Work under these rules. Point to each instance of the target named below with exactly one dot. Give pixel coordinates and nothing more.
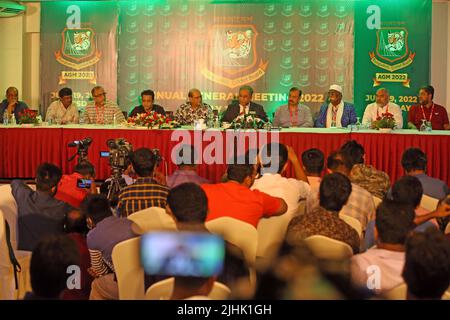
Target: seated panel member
(244, 106)
(63, 110)
(337, 113)
(12, 104)
(193, 110)
(428, 110)
(380, 106)
(147, 105)
(293, 114)
(102, 111)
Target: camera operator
(146, 191)
(69, 189)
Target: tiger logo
(396, 41)
(238, 44)
(81, 41)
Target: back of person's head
(75, 222)
(334, 191)
(186, 156)
(414, 159)
(274, 157)
(339, 162)
(47, 177)
(188, 203)
(96, 207)
(427, 265)
(408, 190)
(394, 222)
(354, 151)
(313, 160)
(193, 286)
(49, 265)
(85, 168)
(143, 161)
(239, 172)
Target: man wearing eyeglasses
(337, 113)
(102, 111)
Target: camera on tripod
(119, 152)
(82, 149)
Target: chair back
(328, 248)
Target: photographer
(73, 192)
(145, 192)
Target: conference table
(24, 148)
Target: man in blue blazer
(337, 113)
(244, 105)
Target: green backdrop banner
(392, 50)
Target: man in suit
(337, 113)
(244, 106)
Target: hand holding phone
(84, 183)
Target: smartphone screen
(104, 154)
(182, 254)
(84, 183)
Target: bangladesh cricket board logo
(78, 49)
(233, 59)
(392, 53)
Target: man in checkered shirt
(102, 111)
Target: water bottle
(13, 119)
(216, 122)
(81, 117)
(5, 118)
(114, 120)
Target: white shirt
(242, 108)
(364, 269)
(373, 111)
(339, 113)
(57, 112)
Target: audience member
(39, 213)
(313, 163)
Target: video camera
(119, 152)
(82, 149)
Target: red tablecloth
(24, 148)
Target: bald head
(12, 95)
(382, 97)
(195, 97)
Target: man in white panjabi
(382, 105)
(63, 111)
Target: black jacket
(233, 111)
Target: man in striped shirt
(145, 192)
(107, 230)
(102, 111)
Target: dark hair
(313, 160)
(334, 191)
(428, 89)
(96, 207)
(64, 92)
(85, 168)
(47, 176)
(277, 157)
(186, 151)
(427, 264)
(414, 159)
(188, 203)
(49, 262)
(353, 151)
(333, 161)
(407, 190)
(148, 93)
(75, 222)
(296, 89)
(143, 161)
(394, 221)
(238, 172)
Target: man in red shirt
(429, 111)
(234, 198)
(68, 190)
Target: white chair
(162, 290)
(352, 222)
(377, 201)
(241, 234)
(447, 229)
(8, 206)
(129, 271)
(152, 219)
(328, 248)
(8, 289)
(429, 203)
